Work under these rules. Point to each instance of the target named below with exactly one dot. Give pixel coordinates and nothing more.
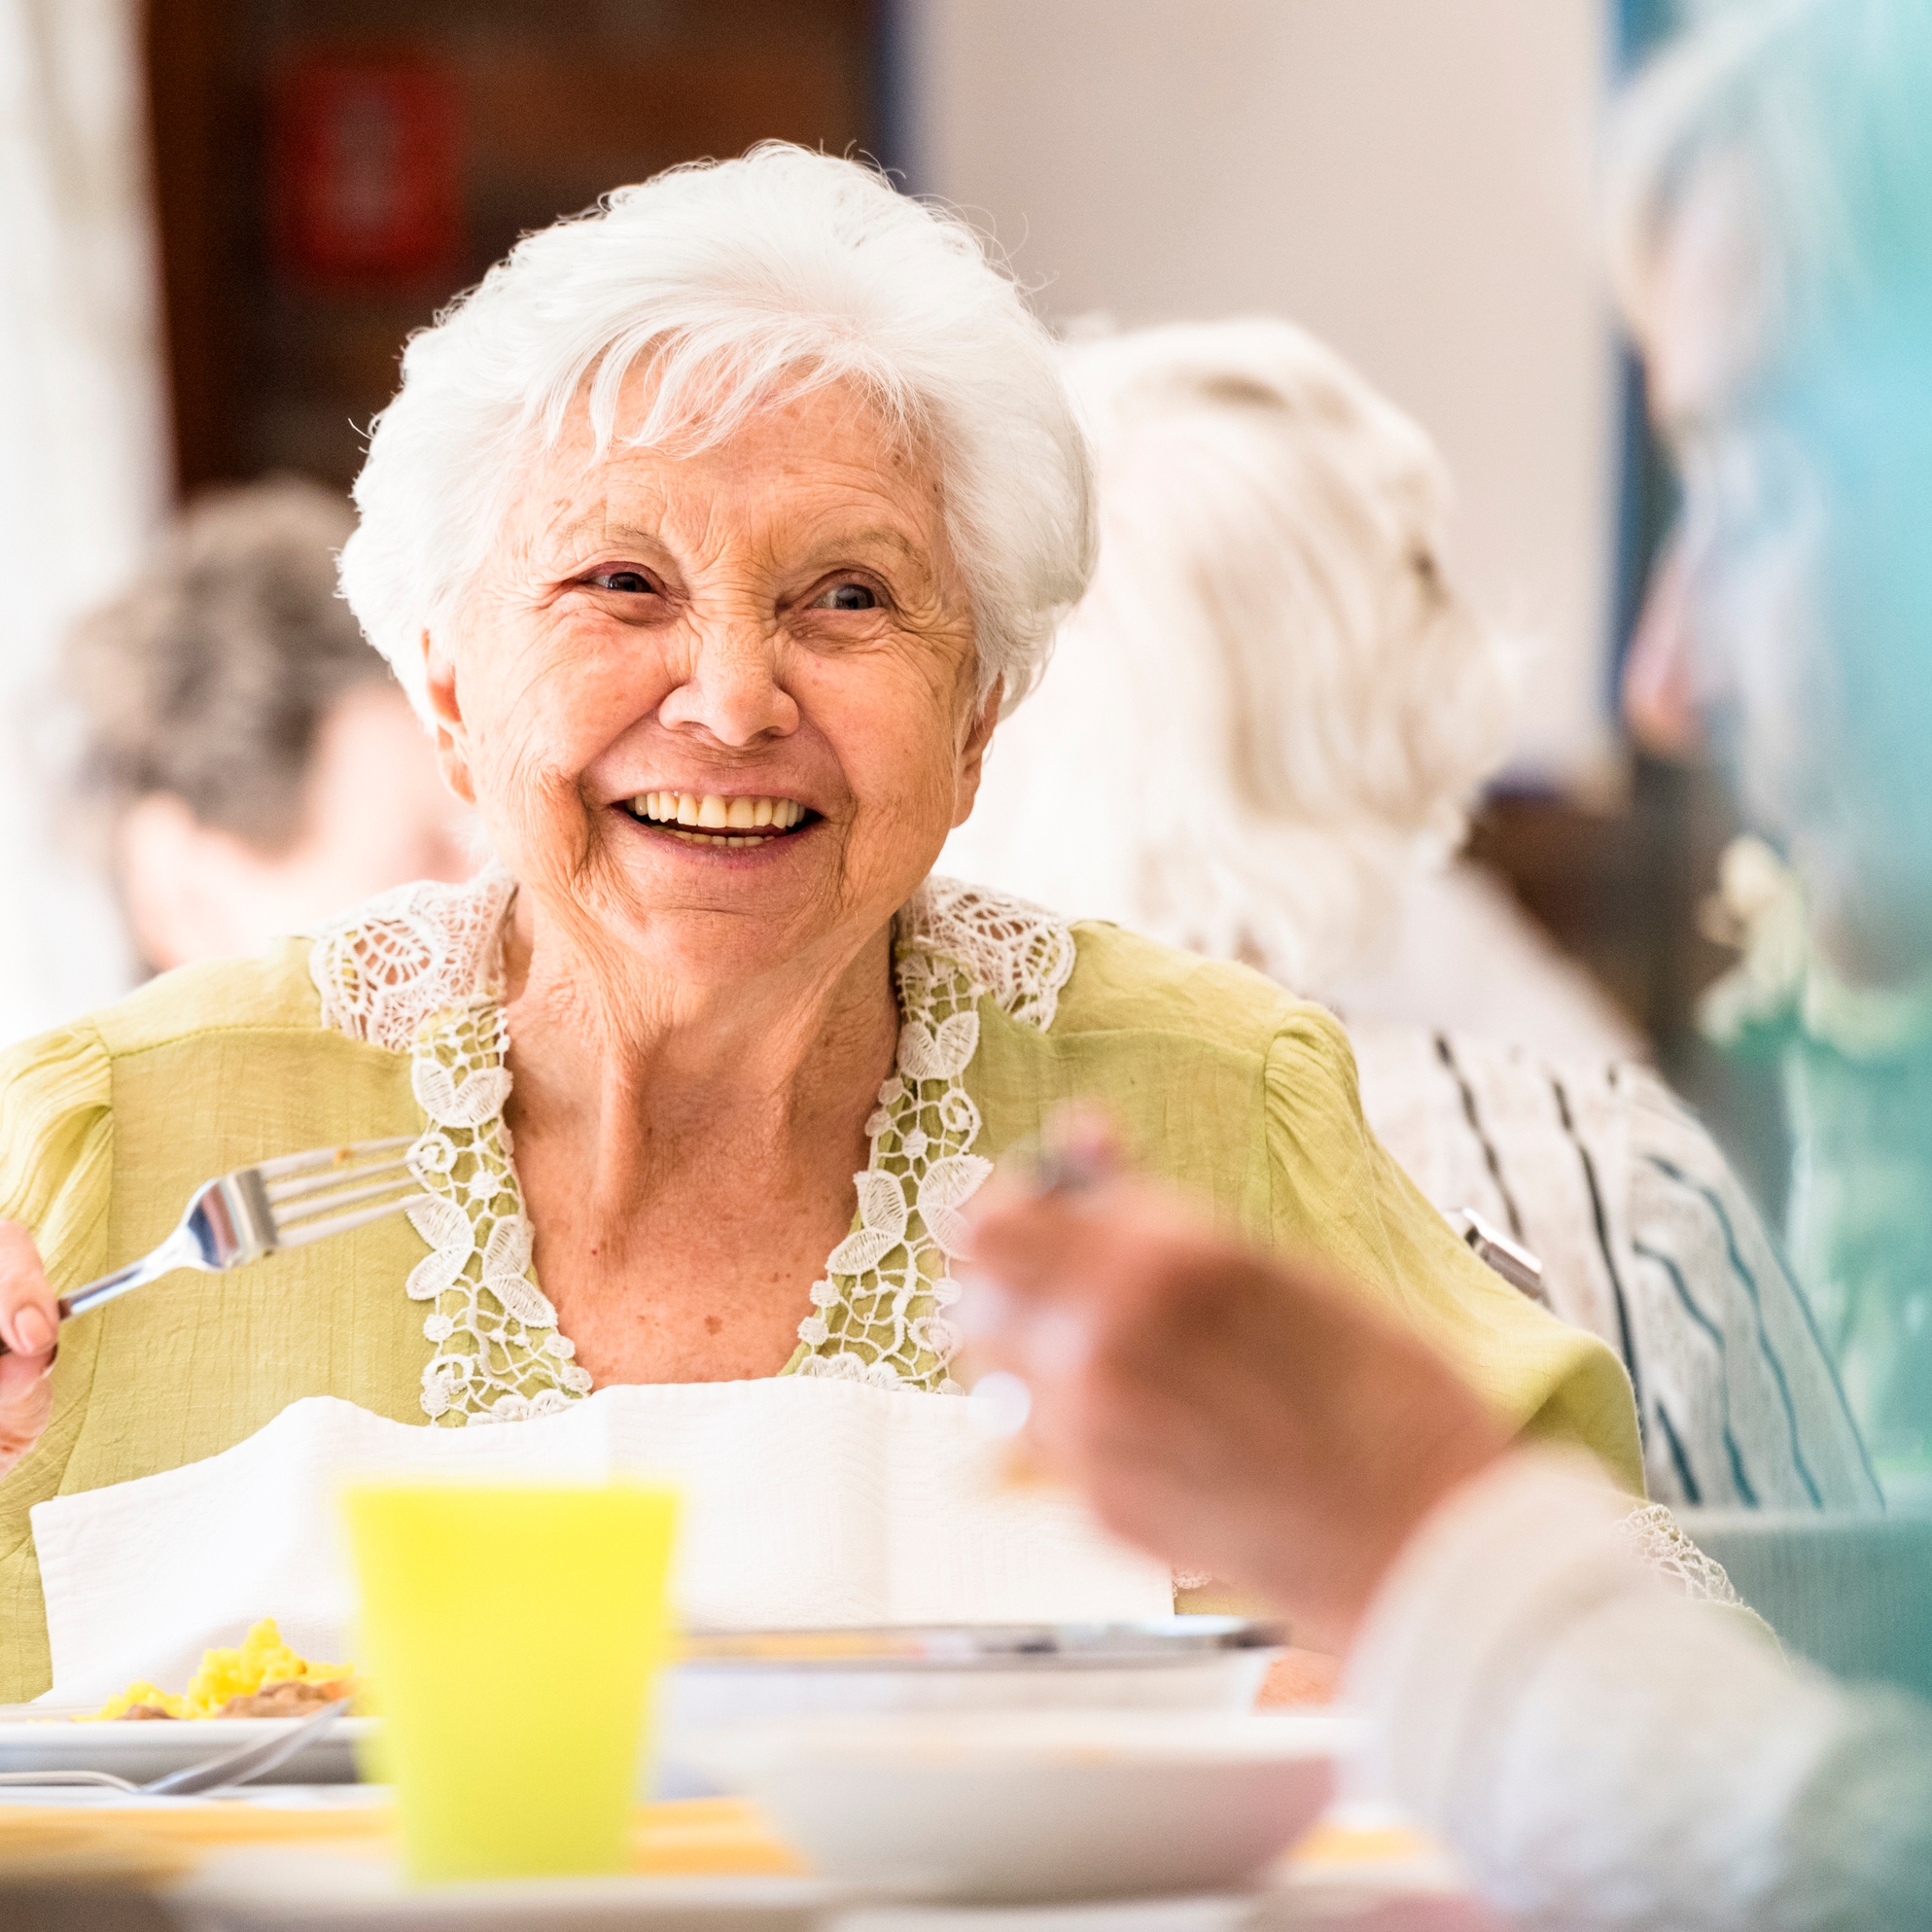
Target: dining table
(324, 1859)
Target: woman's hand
(30, 1323)
(1226, 1410)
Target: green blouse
(388, 1024)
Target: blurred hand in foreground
(1229, 1411)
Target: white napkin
(807, 1503)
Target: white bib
(807, 1503)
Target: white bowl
(1037, 1805)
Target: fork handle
(172, 1253)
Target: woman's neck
(630, 1067)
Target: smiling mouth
(709, 820)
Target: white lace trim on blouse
(418, 971)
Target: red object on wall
(368, 168)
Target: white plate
(1189, 1664)
(36, 1738)
(1037, 1804)
(1186, 1662)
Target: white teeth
(710, 813)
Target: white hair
(738, 284)
(1270, 708)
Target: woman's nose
(733, 692)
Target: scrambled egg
(264, 1659)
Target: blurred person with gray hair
(1272, 630)
(250, 764)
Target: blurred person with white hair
(1272, 628)
(709, 534)
(250, 766)
(1258, 738)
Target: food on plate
(263, 1679)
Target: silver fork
(240, 1765)
(287, 1202)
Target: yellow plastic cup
(512, 1638)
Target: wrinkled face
(719, 711)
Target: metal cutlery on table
(218, 1773)
(287, 1202)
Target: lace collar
(417, 972)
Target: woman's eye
(632, 583)
(847, 597)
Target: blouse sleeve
(57, 1154)
(1335, 1189)
(56, 1149)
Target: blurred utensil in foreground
(1071, 1156)
(1514, 1262)
(287, 1202)
(1043, 1648)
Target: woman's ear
(446, 720)
(972, 754)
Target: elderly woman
(708, 535)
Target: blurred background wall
(1411, 180)
(328, 172)
(85, 466)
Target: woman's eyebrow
(879, 534)
(604, 532)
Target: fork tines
(330, 1190)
